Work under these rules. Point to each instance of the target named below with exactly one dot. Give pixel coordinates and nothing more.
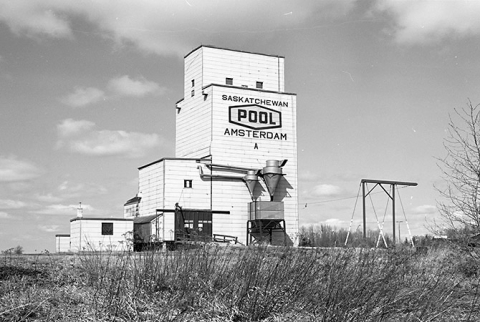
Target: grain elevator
(234, 174)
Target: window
(229, 81)
(193, 92)
(201, 222)
(107, 228)
(193, 83)
(187, 183)
(259, 85)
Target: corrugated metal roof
(145, 219)
(165, 159)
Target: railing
(225, 238)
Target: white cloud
(59, 209)
(49, 228)
(83, 96)
(80, 137)
(68, 191)
(307, 176)
(122, 86)
(334, 222)
(109, 143)
(77, 189)
(164, 27)
(327, 190)
(425, 209)
(13, 169)
(35, 18)
(11, 204)
(20, 186)
(4, 215)
(126, 86)
(49, 198)
(417, 22)
(69, 127)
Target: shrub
(263, 283)
(468, 266)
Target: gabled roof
(135, 199)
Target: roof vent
(80, 210)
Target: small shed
(101, 234)
(62, 243)
(146, 230)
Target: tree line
(330, 236)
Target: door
(193, 224)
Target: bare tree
(461, 171)
(18, 250)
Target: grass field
(213, 283)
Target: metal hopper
(272, 173)
(251, 179)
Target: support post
(399, 234)
(364, 212)
(393, 214)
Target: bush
(262, 283)
(13, 251)
(468, 267)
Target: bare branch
(461, 170)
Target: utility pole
(399, 236)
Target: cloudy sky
(88, 92)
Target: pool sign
(255, 117)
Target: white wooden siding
(151, 187)
(197, 197)
(86, 235)
(168, 177)
(241, 151)
(200, 131)
(62, 244)
(193, 128)
(245, 68)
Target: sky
(88, 92)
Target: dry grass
(242, 284)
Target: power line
(339, 199)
